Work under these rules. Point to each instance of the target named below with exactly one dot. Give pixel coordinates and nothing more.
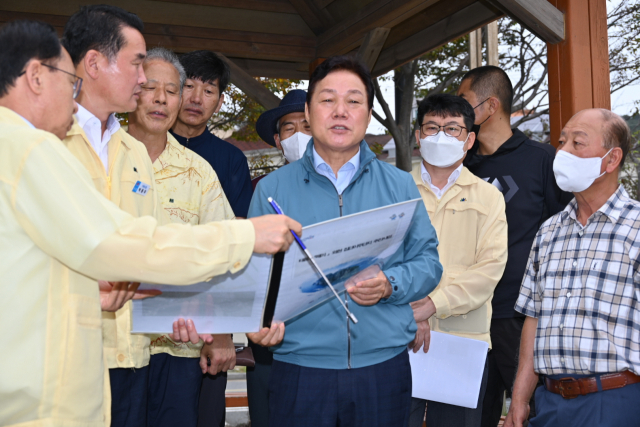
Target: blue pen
(278, 210)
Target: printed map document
(451, 372)
(283, 286)
(342, 247)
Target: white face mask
(575, 174)
(295, 146)
(442, 150)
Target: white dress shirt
(345, 174)
(426, 178)
(93, 128)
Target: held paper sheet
(230, 303)
(451, 372)
(342, 247)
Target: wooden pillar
(578, 66)
(475, 49)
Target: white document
(451, 372)
(231, 303)
(342, 247)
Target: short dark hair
(21, 42)
(443, 105)
(98, 27)
(342, 63)
(490, 81)
(207, 67)
(616, 133)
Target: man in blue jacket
(326, 371)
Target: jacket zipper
(346, 295)
(346, 303)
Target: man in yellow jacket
(469, 217)
(59, 235)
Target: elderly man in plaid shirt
(581, 290)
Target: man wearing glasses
(468, 215)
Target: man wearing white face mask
(285, 127)
(469, 217)
(580, 291)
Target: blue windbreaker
(322, 337)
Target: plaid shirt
(582, 283)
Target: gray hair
(162, 54)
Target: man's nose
(160, 97)
(142, 78)
(340, 109)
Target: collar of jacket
(7, 115)
(203, 138)
(77, 130)
(179, 159)
(465, 178)
(366, 157)
(516, 140)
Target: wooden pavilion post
(579, 65)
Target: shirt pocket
(602, 277)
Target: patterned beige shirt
(190, 192)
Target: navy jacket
(230, 165)
(319, 337)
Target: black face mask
(476, 127)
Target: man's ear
(470, 141)
(33, 73)
(615, 157)
(494, 105)
(276, 137)
(92, 62)
(370, 114)
(306, 112)
(418, 137)
(220, 102)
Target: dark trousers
(373, 396)
(445, 415)
(129, 392)
(503, 364)
(174, 388)
(258, 386)
(611, 408)
(212, 406)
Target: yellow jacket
(129, 163)
(59, 235)
(190, 192)
(471, 225)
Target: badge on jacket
(141, 188)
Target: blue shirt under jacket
(320, 338)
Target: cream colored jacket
(471, 225)
(58, 235)
(129, 163)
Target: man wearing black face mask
(523, 170)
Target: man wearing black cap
(286, 128)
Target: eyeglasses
(430, 129)
(77, 83)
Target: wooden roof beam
(372, 46)
(348, 34)
(539, 16)
(454, 26)
(250, 86)
(318, 19)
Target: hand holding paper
(268, 337)
(368, 286)
(185, 331)
(113, 295)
